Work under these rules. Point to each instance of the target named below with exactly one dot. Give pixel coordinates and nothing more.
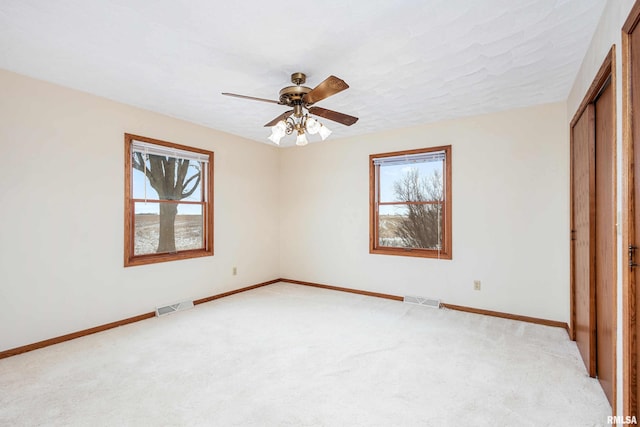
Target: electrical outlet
(476, 285)
(235, 271)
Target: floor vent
(428, 302)
(168, 309)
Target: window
(168, 201)
(410, 203)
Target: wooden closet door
(583, 234)
(594, 229)
(605, 241)
(633, 205)
(635, 239)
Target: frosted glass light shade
(312, 125)
(275, 138)
(278, 131)
(301, 139)
(324, 132)
(281, 127)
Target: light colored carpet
(289, 355)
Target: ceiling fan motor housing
(292, 95)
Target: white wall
(510, 214)
(61, 192)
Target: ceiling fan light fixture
(275, 138)
(280, 127)
(312, 125)
(278, 131)
(324, 132)
(301, 139)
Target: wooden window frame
(130, 259)
(374, 248)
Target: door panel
(634, 215)
(605, 239)
(583, 213)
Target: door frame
(607, 71)
(629, 326)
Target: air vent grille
(168, 309)
(428, 302)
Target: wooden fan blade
(253, 98)
(277, 119)
(344, 119)
(330, 86)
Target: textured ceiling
(408, 62)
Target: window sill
(157, 258)
(419, 253)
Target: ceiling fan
(301, 98)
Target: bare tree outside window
(410, 203)
(417, 225)
(169, 177)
